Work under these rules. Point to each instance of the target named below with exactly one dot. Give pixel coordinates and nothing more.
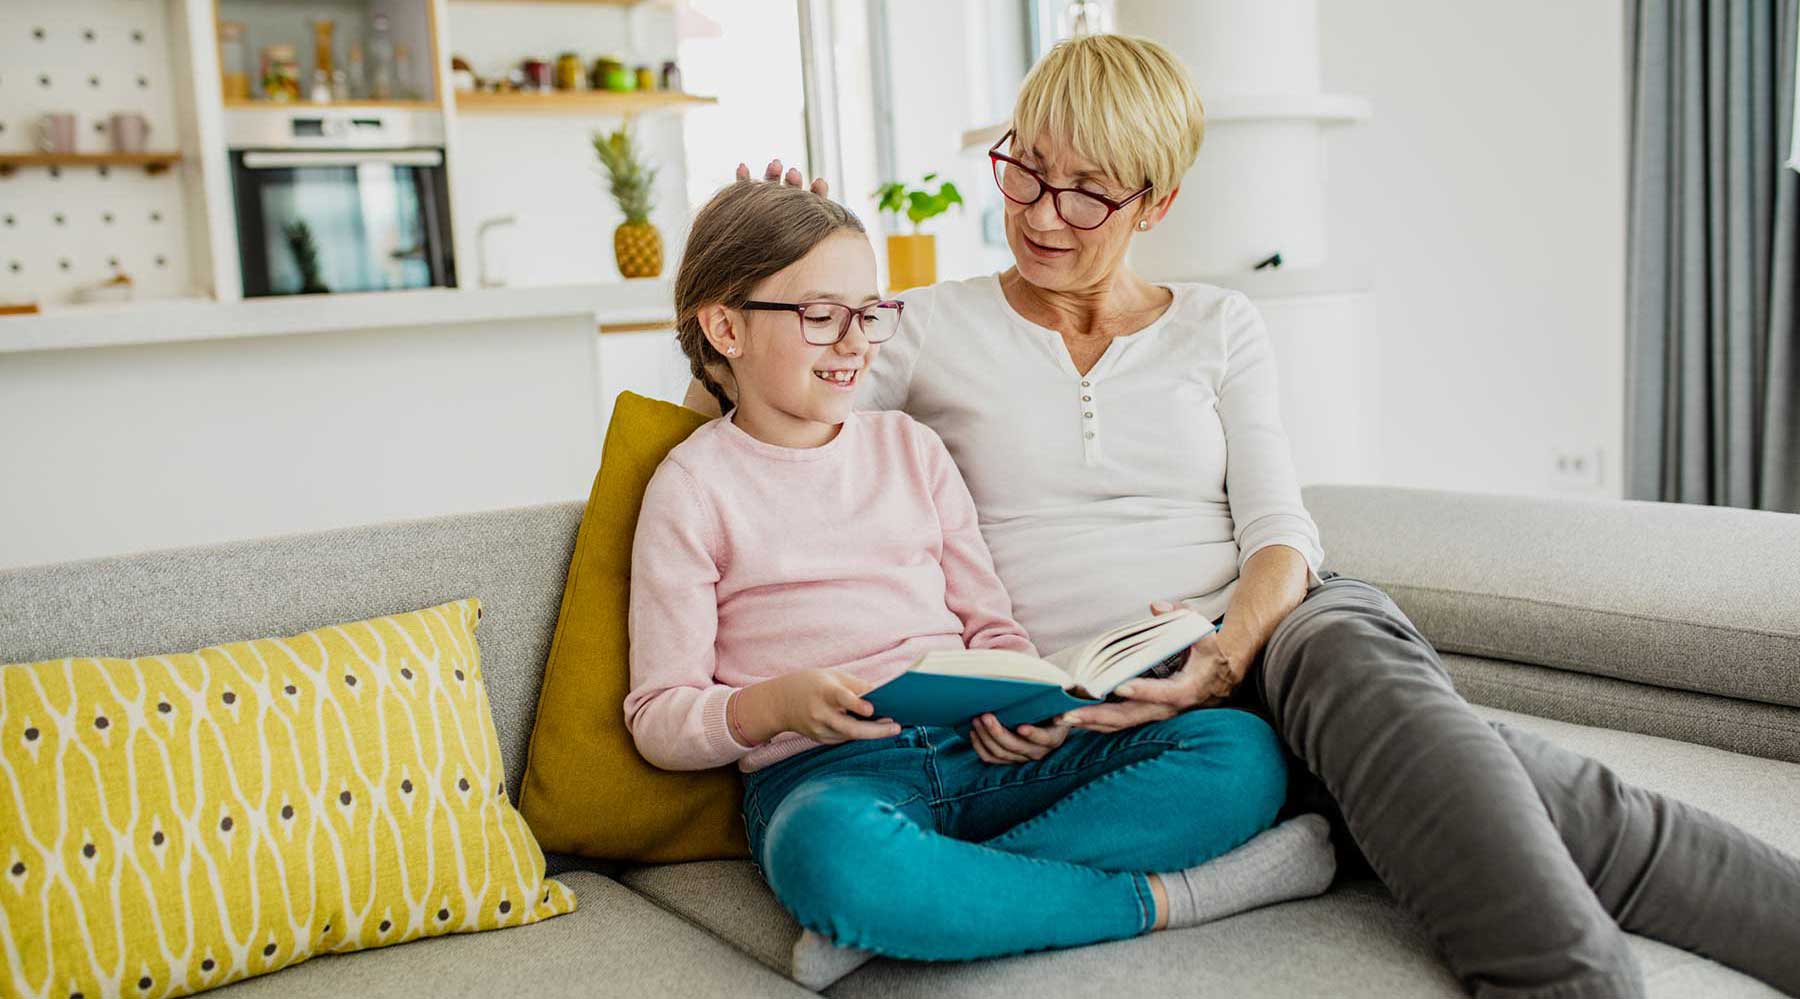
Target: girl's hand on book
(1206, 679)
(825, 705)
(994, 744)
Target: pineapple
(636, 244)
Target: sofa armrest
(1696, 598)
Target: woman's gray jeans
(1525, 862)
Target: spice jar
(671, 76)
(322, 57)
(280, 73)
(611, 74)
(646, 78)
(568, 71)
(537, 74)
(234, 73)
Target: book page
(997, 664)
(1114, 654)
(1123, 634)
(1173, 633)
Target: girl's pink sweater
(752, 561)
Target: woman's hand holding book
(1208, 678)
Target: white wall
(948, 59)
(541, 168)
(1485, 207)
(123, 449)
(753, 67)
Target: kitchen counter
(641, 304)
(167, 423)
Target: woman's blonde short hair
(1125, 104)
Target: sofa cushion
(615, 944)
(730, 898)
(1352, 941)
(1760, 796)
(1673, 595)
(185, 820)
(587, 791)
(188, 598)
(1750, 727)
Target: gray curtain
(1712, 331)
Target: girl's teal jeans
(913, 847)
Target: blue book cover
(914, 698)
(922, 697)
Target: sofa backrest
(190, 598)
(1695, 598)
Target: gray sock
(1292, 860)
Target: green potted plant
(306, 256)
(637, 245)
(912, 258)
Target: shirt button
(1085, 383)
(1087, 398)
(1089, 415)
(1090, 435)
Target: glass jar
(611, 74)
(280, 73)
(234, 69)
(568, 71)
(381, 59)
(406, 85)
(323, 60)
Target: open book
(952, 687)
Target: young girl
(793, 555)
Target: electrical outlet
(1578, 469)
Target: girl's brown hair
(747, 232)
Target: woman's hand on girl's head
(825, 704)
(995, 744)
(793, 178)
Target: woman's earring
(1143, 225)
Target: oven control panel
(300, 127)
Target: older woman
(1121, 441)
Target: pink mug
(56, 132)
(130, 132)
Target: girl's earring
(1143, 225)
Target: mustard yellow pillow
(172, 823)
(586, 789)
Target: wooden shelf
(639, 326)
(564, 3)
(575, 102)
(239, 103)
(152, 162)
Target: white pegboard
(67, 227)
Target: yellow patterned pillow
(173, 823)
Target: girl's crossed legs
(913, 847)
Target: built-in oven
(334, 200)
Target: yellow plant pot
(912, 261)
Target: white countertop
(183, 320)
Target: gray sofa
(1663, 640)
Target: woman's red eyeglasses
(1024, 186)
